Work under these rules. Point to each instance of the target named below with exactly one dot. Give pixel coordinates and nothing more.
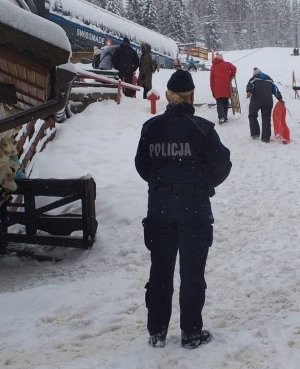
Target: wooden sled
(234, 97)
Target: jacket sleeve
(142, 160)
(145, 68)
(250, 86)
(212, 83)
(276, 92)
(218, 158)
(116, 59)
(232, 70)
(136, 61)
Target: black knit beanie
(181, 81)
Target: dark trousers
(266, 111)
(127, 77)
(222, 107)
(146, 90)
(177, 229)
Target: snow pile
(88, 311)
(82, 10)
(33, 25)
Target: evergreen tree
(115, 6)
(160, 6)
(191, 30)
(213, 26)
(295, 23)
(58, 6)
(173, 21)
(150, 19)
(283, 15)
(134, 10)
(101, 3)
(222, 23)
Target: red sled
(281, 130)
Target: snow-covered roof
(36, 26)
(101, 18)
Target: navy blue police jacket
(178, 147)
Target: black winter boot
(158, 340)
(193, 340)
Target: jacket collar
(181, 108)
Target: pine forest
(217, 24)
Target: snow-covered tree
(58, 6)
(295, 23)
(150, 19)
(101, 3)
(221, 23)
(135, 10)
(173, 21)
(213, 26)
(115, 6)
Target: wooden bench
(59, 228)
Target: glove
(249, 94)
(282, 102)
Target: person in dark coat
(146, 69)
(260, 89)
(221, 74)
(126, 61)
(181, 157)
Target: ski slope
(88, 311)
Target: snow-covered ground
(88, 311)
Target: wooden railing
(33, 138)
(105, 81)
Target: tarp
(281, 130)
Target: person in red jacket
(221, 74)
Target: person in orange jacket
(221, 74)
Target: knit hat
(181, 81)
(256, 71)
(126, 40)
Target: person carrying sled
(182, 158)
(125, 59)
(260, 89)
(221, 74)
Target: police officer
(182, 159)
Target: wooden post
(118, 99)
